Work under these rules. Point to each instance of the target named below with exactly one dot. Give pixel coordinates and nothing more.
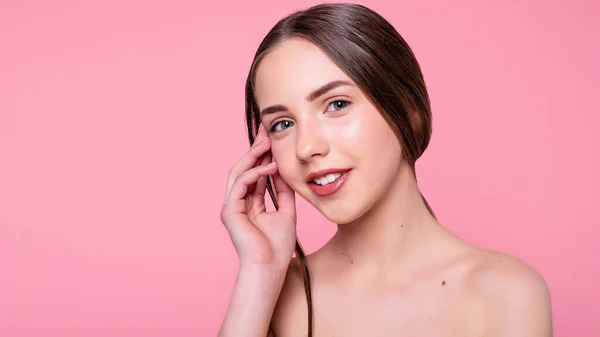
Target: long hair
(374, 55)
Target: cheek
(388, 157)
(284, 156)
(351, 132)
(367, 135)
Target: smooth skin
(390, 269)
(264, 241)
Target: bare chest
(424, 310)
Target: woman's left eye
(337, 105)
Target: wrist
(264, 268)
(264, 273)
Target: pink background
(119, 121)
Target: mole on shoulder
(443, 283)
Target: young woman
(338, 113)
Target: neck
(391, 230)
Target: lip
(331, 188)
(321, 173)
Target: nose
(311, 141)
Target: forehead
(293, 69)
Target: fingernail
(271, 164)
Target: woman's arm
(253, 301)
(264, 241)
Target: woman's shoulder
(511, 293)
(510, 296)
(495, 273)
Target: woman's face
(331, 144)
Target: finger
(248, 161)
(262, 161)
(286, 198)
(260, 135)
(261, 185)
(258, 141)
(239, 190)
(262, 132)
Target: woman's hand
(260, 238)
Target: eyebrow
(322, 90)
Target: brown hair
(374, 55)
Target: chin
(342, 211)
(344, 206)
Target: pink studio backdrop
(119, 121)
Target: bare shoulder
(291, 310)
(513, 296)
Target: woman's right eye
(282, 125)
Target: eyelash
(346, 103)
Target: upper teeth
(327, 179)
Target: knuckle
(239, 178)
(254, 152)
(246, 176)
(232, 173)
(223, 215)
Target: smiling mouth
(328, 183)
(326, 179)
(326, 176)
